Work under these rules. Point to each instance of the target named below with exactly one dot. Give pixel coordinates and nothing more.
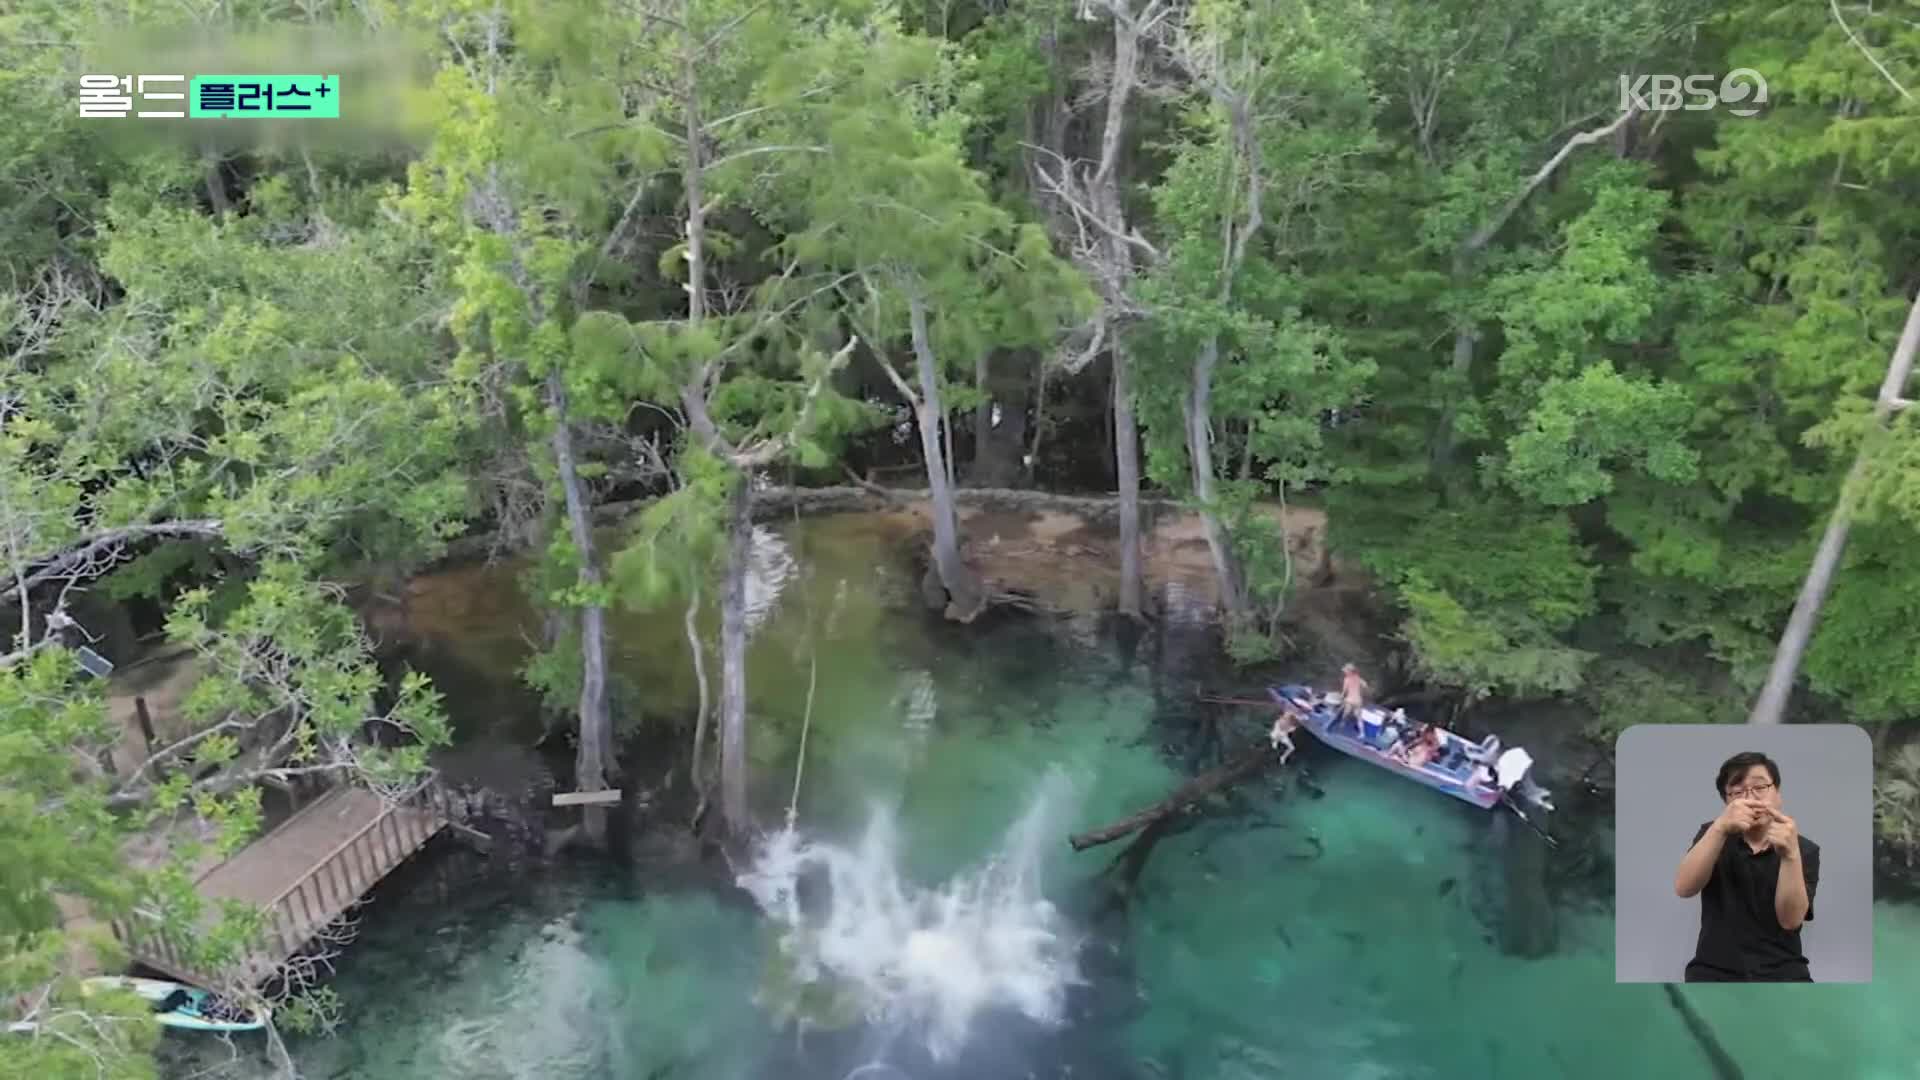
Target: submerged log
(1724, 1067)
(1240, 768)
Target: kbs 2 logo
(1743, 91)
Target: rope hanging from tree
(813, 667)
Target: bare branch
(1062, 186)
(861, 326)
(900, 384)
(754, 150)
(1092, 336)
(758, 109)
(729, 26)
(1864, 51)
(80, 555)
(1480, 239)
(769, 450)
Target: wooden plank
(306, 873)
(586, 798)
(342, 885)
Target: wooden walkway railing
(301, 895)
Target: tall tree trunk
(946, 435)
(1126, 460)
(1465, 338)
(1199, 423)
(595, 748)
(733, 658)
(965, 597)
(1237, 234)
(1030, 461)
(699, 653)
(1105, 192)
(1771, 705)
(983, 412)
(734, 809)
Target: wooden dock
(304, 874)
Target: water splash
(933, 960)
(770, 566)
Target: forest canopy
(1576, 376)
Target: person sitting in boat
(1353, 693)
(1425, 748)
(1404, 740)
(1390, 736)
(1284, 726)
(1420, 748)
(1481, 777)
(1397, 724)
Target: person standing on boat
(1353, 693)
(1755, 876)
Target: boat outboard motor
(1511, 772)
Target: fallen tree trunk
(1240, 768)
(1771, 706)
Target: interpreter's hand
(1739, 816)
(1783, 835)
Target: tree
(525, 265)
(225, 417)
(672, 550)
(249, 429)
(1803, 246)
(1106, 245)
(718, 97)
(896, 208)
(1281, 105)
(1486, 229)
(1772, 702)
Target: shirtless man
(1353, 693)
(1426, 748)
(1284, 726)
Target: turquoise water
(1300, 937)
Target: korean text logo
(236, 97)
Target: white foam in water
(770, 565)
(933, 959)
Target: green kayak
(181, 1006)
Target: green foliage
(1581, 425)
(293, 651)
(675, 542)
(1570, 442)
(55, 835)
(1490, 591)
(242, 405)
(1474, 649)
(1622, 692)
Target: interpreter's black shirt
(1741, 939)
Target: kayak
(178, 1005)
